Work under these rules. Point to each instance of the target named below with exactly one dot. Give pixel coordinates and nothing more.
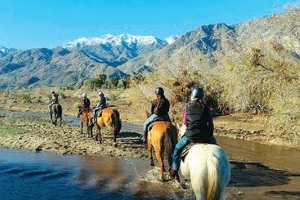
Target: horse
(57, 111)
(162, 138)
(207, 168)
(86, 117)
(109, 118)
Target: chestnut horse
(110, 118)
(86, 117)
(207, 168)
(162, 138)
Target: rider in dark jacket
(85, 103)
(159, 108)
(100, 105)
(199, 127)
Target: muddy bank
(38, 134)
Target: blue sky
(50, 23)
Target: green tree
(114, 82)
(125, 82)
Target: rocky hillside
(207, 46)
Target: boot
(174, 174)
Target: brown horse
(57, 112)
(110, 118)
(86, 117)
(162, 138)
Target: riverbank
(38, 134)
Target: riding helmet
(84, 95)
(159, 91)
(52, 92)
(101, 93)
(197, 93)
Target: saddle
(187, 148)
(156, 120)
(99, 113)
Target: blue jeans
(183, 142)
(151, 119)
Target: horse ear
(147, 113)
(178, 126)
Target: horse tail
(59, 110)
(170, 142)
(116, 121)
(216, 176)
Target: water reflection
(27, 175)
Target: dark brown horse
(86, 117)
(110, 118)
(57, 112)
(162, 138)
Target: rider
(199, 123)
(159, 108)
(85, 103)
(54, 100)
(100, 105)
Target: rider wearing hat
(199, 127)
(85, 103)
(159, 108)
(100, 105)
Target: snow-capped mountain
(119, 40)
(5, 51)
(172, 39)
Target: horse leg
(87, 128)
(99, 135)
(91, 130)
(55, 119)
(112, 130)
(160, 159)
(150, 152)
(60, 121)
(81, 127)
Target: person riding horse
(159, 109)
(199, 123)
(100, 105)
(54, 100)
(85, 103)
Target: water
(28, 175)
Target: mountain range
(125, 55)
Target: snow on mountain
(4, 51)
(171, 39)
(109, 39)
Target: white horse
(207, 168)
